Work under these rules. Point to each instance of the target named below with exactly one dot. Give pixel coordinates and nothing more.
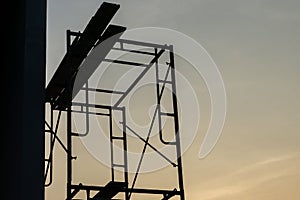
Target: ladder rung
(47, 131)
(164, 81)
(118, 165)
(117, 137)
(167, 114)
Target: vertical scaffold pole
(125, 154)
(176, 124)
(69, 122)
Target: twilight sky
(256, 46)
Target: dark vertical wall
(23, 83)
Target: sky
(256, 46)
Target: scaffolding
(63, 88)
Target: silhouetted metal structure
(62, 89)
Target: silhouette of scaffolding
(62, 89)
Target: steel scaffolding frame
(62, 101)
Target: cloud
(256, 175)
(264, 163)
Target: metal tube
(158, 99)
(144, 44)
(103, 90)
(124, 62)
(51, 148)
(69, 154)
(133, 51)
(111, 145)
(176, 124)
(159, 94)
(87, 117)
(125, 153)
(50, 158)
(141, 75)
(90, 113)
(134, 190)
(92, 105)
(69, 124)
(52, 142)
(151, 146)
(143, 151)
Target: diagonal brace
(151, 146)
